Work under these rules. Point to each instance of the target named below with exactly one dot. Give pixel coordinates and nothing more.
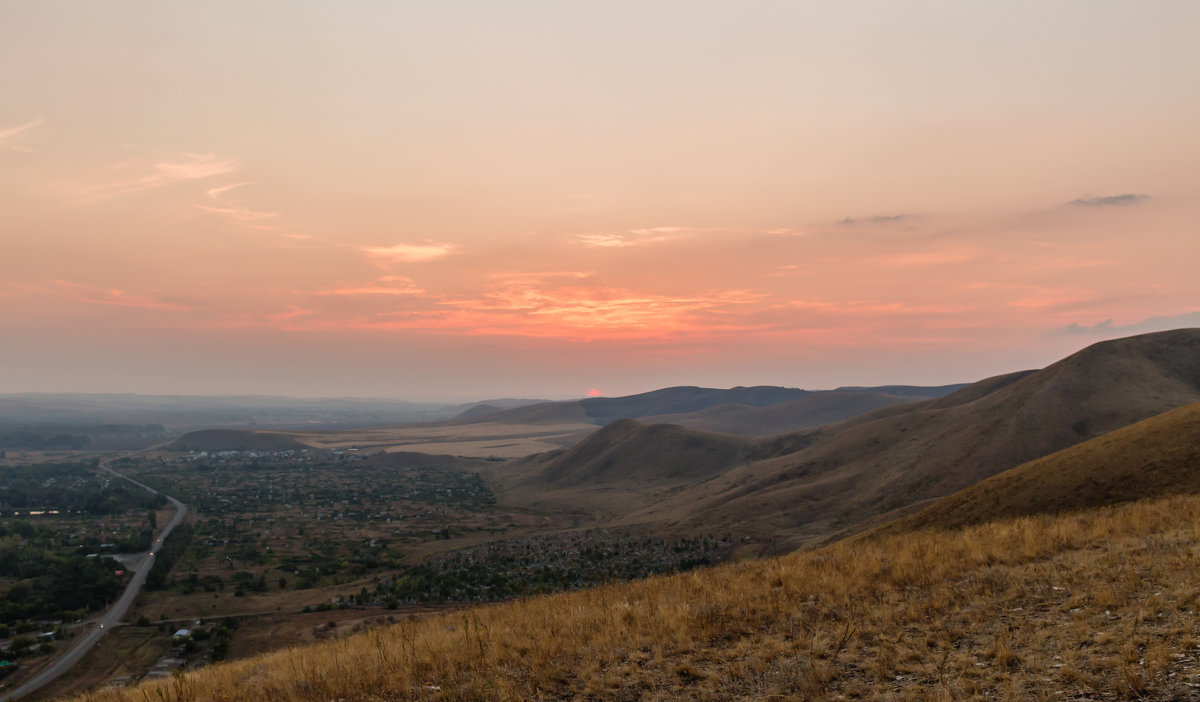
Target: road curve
(79, 647)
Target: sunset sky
(541, 199)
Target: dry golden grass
(1101, 604)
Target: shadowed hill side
(1155, 457)
(630, 452)
(913, 392)
(683, 399)
(811, 410)
(542, 413)
(477, 411)
(602, 410)
(905, 454)
(620, 468)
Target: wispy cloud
(387, 285)
(634, 237)
(657, 231)
(1108, 200)
(410, 253)
(234, 211)
(604, 241)
(878, 219)
(186, 167)
(10, 132)
(215, 193)
(113, 296)
(289, 313)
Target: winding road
(79, 647)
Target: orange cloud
(410, 253)
(635, 237)
(6, 134)
(112, 296)
(183, 168)
(388, 285)
(528, 308)
(291, 312)
(238, 213)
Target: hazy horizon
(533, 199)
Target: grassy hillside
(602, 410)
(1158, 456)
(809, 411)
(759, 411)
(629, 451)
(1095, 605)
(907, 454)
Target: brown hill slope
(818, 481)
(627, 465)
(1092, 606)
(903, 455)
(602, 410)
(1155, 457)
(813, 410)
(628, 451)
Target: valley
(300, 537)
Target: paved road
(83, 643)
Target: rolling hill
(602, 410)
(814, 409)
(802, 485)
(1152, 458)
(756, 411)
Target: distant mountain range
(758, 410)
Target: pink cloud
(410, 253)
(234, 211)
(185, 167)
(9, 133)
(388, 285)
(634, 237)
(112, 296)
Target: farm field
(481, 440)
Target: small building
(182, 634)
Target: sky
(464, 200)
